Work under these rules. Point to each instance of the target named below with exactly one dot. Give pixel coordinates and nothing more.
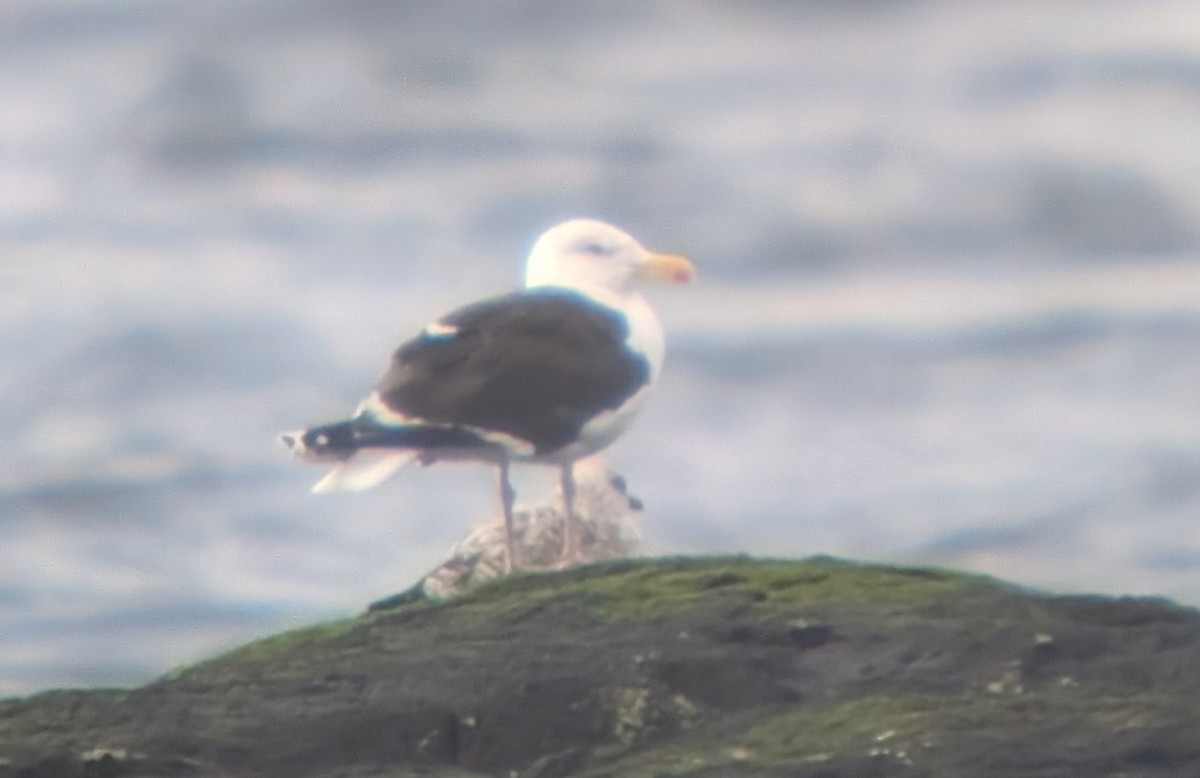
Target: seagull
(604, 510)
(549, 374)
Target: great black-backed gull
(549, 374)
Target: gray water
(948, 309)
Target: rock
(692, 667)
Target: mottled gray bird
(604, 512)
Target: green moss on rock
(1010, 732)
(696, 667)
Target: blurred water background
(948, 309)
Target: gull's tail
(364, 452)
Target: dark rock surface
(690, 667)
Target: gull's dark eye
(595, 249)
(618, 483)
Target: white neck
(645, 332)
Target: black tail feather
(340, 440)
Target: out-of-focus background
(948, 309)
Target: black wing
(535, 364)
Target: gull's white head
(590, 255)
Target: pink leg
(506, 502)
(570, 551)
